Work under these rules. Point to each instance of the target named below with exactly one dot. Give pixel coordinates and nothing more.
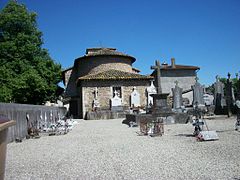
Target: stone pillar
(177, 96)
(219, 100)
(198, 91)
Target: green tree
(27, 72)
(235, 84)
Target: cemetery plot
(152, 128)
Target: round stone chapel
(99, 76)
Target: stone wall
(71, 86)
(93, 65)
(183, 82)
(97, 64)
(67, 75)
(105, 92)
(177, 72)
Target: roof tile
(114, 75)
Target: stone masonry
(105, 93)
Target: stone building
(183, 74)
(102, 73)
(97, 76)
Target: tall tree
(27, 72)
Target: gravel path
(108, 149)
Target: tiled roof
(114, 75)
(180, 67)
(67, 69)
(91, 52)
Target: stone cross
(157, 67)
(115, 93)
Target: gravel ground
(108, 149)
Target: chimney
(164, 65)
(173, 63)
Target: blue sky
(204, 33)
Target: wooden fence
(38, 114)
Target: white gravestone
(135, 98)
(150, 90)
(208, 99)
(116, 101)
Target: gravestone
(150, 90)
(198, 91)
(177, 96)
(116, 102)
(219, 100)
(95, 103)
(208, 99)
(135, 98)
(229, 96)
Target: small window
(118, 90)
